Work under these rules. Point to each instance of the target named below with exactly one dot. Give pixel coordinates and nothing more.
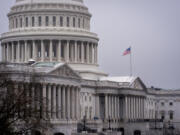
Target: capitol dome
(52, 31)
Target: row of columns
(59, 101)
(50, 50)
(134, 107)
(113, 104)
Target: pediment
(138, 84)
(64, 71)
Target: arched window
(171, 115)
(54, 20)
(33, 21)
(137, 132)
(61, 21)
(39, 21)
(74, 22)
(67, 21)
(27, 23)
(47, 21)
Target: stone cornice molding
(49, 7)
(54, 32)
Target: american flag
(127, 51)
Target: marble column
(118, 106)
(97, 106)
(26, 52)
(59, 107)
(12, 52)
(76, 55)
(18, 52)
(67, 51)
(49, 100)
(68, 102)
(73, 101)
(44, 100)
(115, 107)
(54, 102)
(42, 50)
(34, 50)
(64, 102)
(50, 50)
(96, 54)
(109, 107)
(106, 106)
(59, 51)
(78, 101)
(87, 51)
(82, 52)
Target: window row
(49, 21)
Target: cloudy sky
(151, 27)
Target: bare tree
(22, 105)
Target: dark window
(27, 23)
(40, 21)
(171, 103)
(171, 115)
(54, 21)
(33, 21)
(61, 21)
(74, 22)
(47, 21)
(162, 103)
(21, 22)
(67, 21)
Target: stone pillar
(44, 103)
(42, 50)
(50, 50)
(25, 52)
(18, 52)
(87, 52)
(49, 101)
(12, 60)
(64, 102)
(82, 52)
(97, 106)
(34, 50)
(67, 51)
(59, 50)
(96, 54)
(68, 102)
(2, 51)
(59, 107)
(7, 51)
(76, 55)
(118, 106)
(115, 107)
(109, 106)
(106, 107)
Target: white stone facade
(56, 35)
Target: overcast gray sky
(151, 27)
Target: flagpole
(131, 62)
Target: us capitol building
(55, 34)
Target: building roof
(120, 79)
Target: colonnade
(59, 101)
(113, 107)
(50, 50)
(128, 107)
(134, 107)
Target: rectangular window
(171, 116)
(67, 21)
(74, 22)
(61, 21)
(21, 22)
(47, 21)
(27, 23)
(54, 20)
(40, 21)
(79, 23)
(33, 21)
